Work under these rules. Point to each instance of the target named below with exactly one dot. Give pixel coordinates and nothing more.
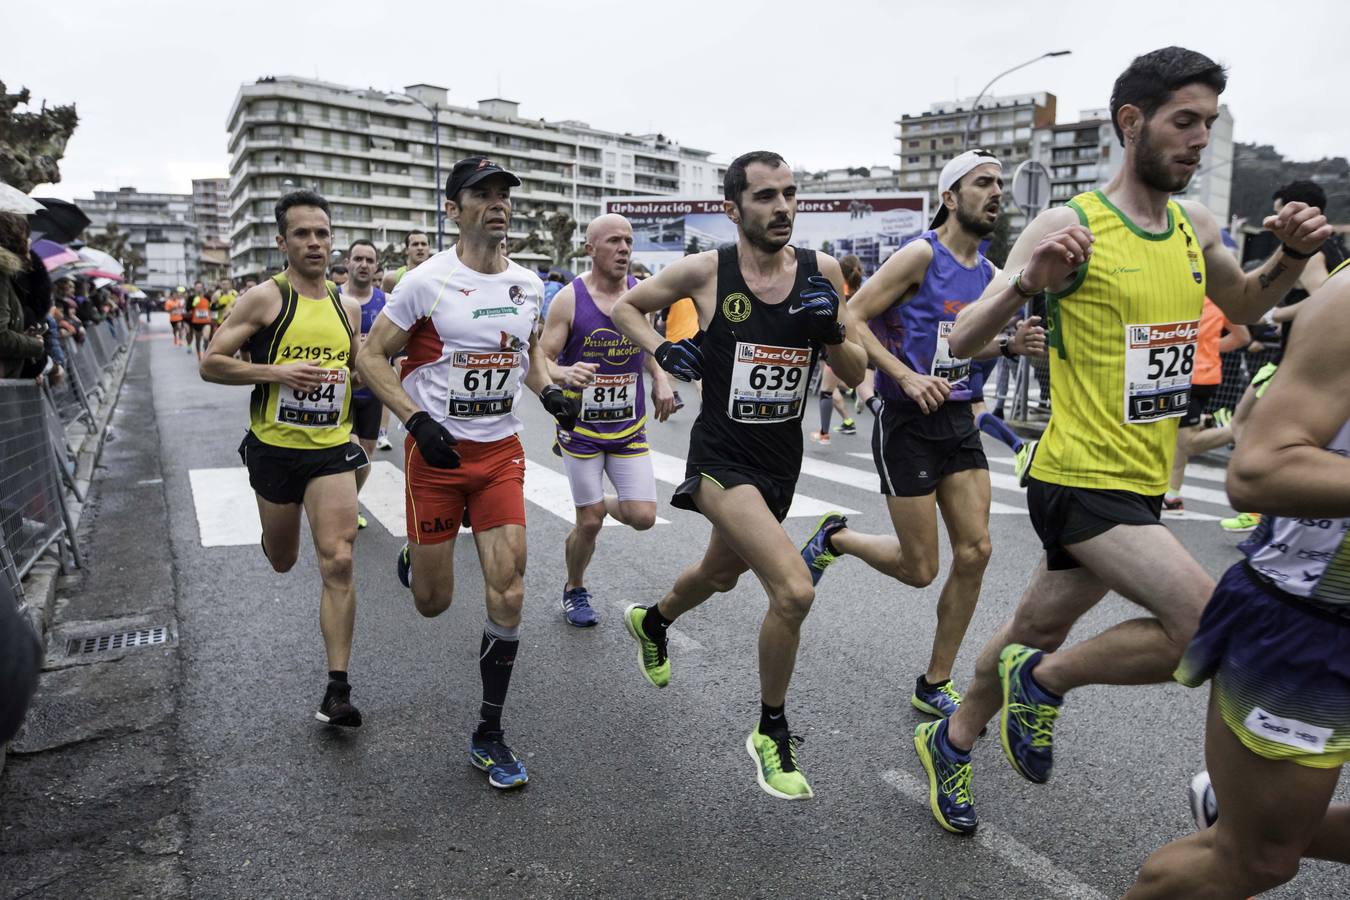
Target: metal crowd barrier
(37, 456)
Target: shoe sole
(817, 574)
(1196, 790)
(628, 624)
(337, 723)
(764, 785)
(923, 707)
(473, 761)
(926, 760)
(1005, 681)
(1245, 530)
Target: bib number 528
(1171, 361)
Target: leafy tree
(32, 143)
(114, 242)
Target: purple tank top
(916, 331)
(613, 406)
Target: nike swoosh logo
(793, 310)
(351, 457)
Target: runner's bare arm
(353, 310)
(1245, 297)
(663, 395)
(253, 311)
(1046, 255)
(1281, 466)
(1238, 336)
(387, 283)
(847, 359)
(694, 276)
(891, 284)
(554, 338)
(384, 341)
(540, 375)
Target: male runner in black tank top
(766, 310)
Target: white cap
(957, 168)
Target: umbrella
(15, 201)
(99, 273)
(53, 255)
(60, 220)
(100, 260)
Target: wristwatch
(1005, 345)
(1015, 279)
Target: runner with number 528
(1125, 270)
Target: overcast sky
(821, 83)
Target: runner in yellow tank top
(1126, 271)
(301, 341)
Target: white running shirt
(469, 345)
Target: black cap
(471, 170)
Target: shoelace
(957, 784)
(1037, 719)
(776, 760)
(653, 652)
(495, 746)
(950, 691)
(578, 599)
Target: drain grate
(121, 640)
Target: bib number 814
(1171, 361)
(775, 378)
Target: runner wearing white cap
(925, 442)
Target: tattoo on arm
(1268, 278)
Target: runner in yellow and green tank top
(1122, 347)
(1125, 271)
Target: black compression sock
(771, 719)
(654, 624)
(496, 659)
(826, 411)
(337, 676)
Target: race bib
(768, 384)
(945, 365)
(1159, 360)
(482, 383)
(610, 398)
(320, 407)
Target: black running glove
(820, 306)
(683, 360)
(561, 407)
(435, 443)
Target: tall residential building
(370, 153)
(1001, 125)
(861, 179)
(160, 226)
(1085, 155)
(211, 208)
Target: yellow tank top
(1122, 349)
(307, 330)
(223, 304)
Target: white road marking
(1057, 881)
(227, 513)
(670, 470)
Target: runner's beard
(976, 223)
(1151, 167)
(761, 240)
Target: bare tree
(32, 143)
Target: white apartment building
(859, 179)
(371, 154)
(160, 226)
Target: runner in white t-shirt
(465, 319)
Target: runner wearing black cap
(466, 319)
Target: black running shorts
(1063, 516)
(366, 416)
(281, 474)
(777, 493)
(913, 451)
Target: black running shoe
(337, 708)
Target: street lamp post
(435, 110)
(975, 107)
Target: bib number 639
(773, 378)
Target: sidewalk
(90, 793)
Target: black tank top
(757, 365)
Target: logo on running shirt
(1290, 732)
(517, 295)
(493, 312)
(509, 341)
(467, 291)
(736, 308)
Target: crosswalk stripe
(670, 470)
(227, 514)
(382, 496)
(552, 491)
(868, 481)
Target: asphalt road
(633, 791)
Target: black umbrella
(61, 220)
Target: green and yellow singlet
(1122, 348)
(307, 330)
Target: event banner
(868, 226)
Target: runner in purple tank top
(605, 370)
(926, 443)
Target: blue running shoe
(949, 795)
(937, 699)
(816, 551)
(576, 607)
(488, 753)
(1026, 723)
(405, 567)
